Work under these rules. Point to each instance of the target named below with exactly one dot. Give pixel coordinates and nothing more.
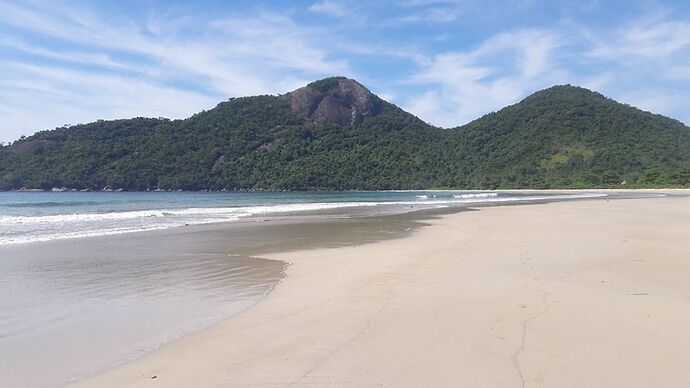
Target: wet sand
(78, 307)
(570, 294)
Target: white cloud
(669, 102)
(98, 59)
(417, 3)
(43, 97)
(642, 63)
(72, 65)
(650, 47)
(504, 68)
(160, 66)
(646, 63)
(428, 15)
(331, 8)
(650, 39)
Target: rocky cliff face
(336, 100)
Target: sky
(446, 61)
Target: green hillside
(567, 136)
(334, 134)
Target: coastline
(50, 217)
(104, 301)
(581, 295)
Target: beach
(585, 293)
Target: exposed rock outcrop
(336, 100)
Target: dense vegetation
(560, 137)
(571, 137)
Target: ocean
(91, 280)
(27, 217)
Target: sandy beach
(570, 294)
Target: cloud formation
(643, 62)
(446, 61)
(496, 73)
(74, 66)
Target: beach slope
(571, 294)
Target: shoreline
(336, 319)
(68, 190)
(347, 211)
(225, 259)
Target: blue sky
(447, 61)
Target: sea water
(27, 217)
(91, 280)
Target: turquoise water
(27, 217)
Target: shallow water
(76, 310)
(27, 217)
(71, 307)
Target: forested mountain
(335, 134)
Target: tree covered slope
(567, 136)
(335, 134)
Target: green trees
(562, 137)
(566, 136)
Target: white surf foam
(69, 226)
(475, 195)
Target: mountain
(568, 136)
(335, 134)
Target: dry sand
(573, 294)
